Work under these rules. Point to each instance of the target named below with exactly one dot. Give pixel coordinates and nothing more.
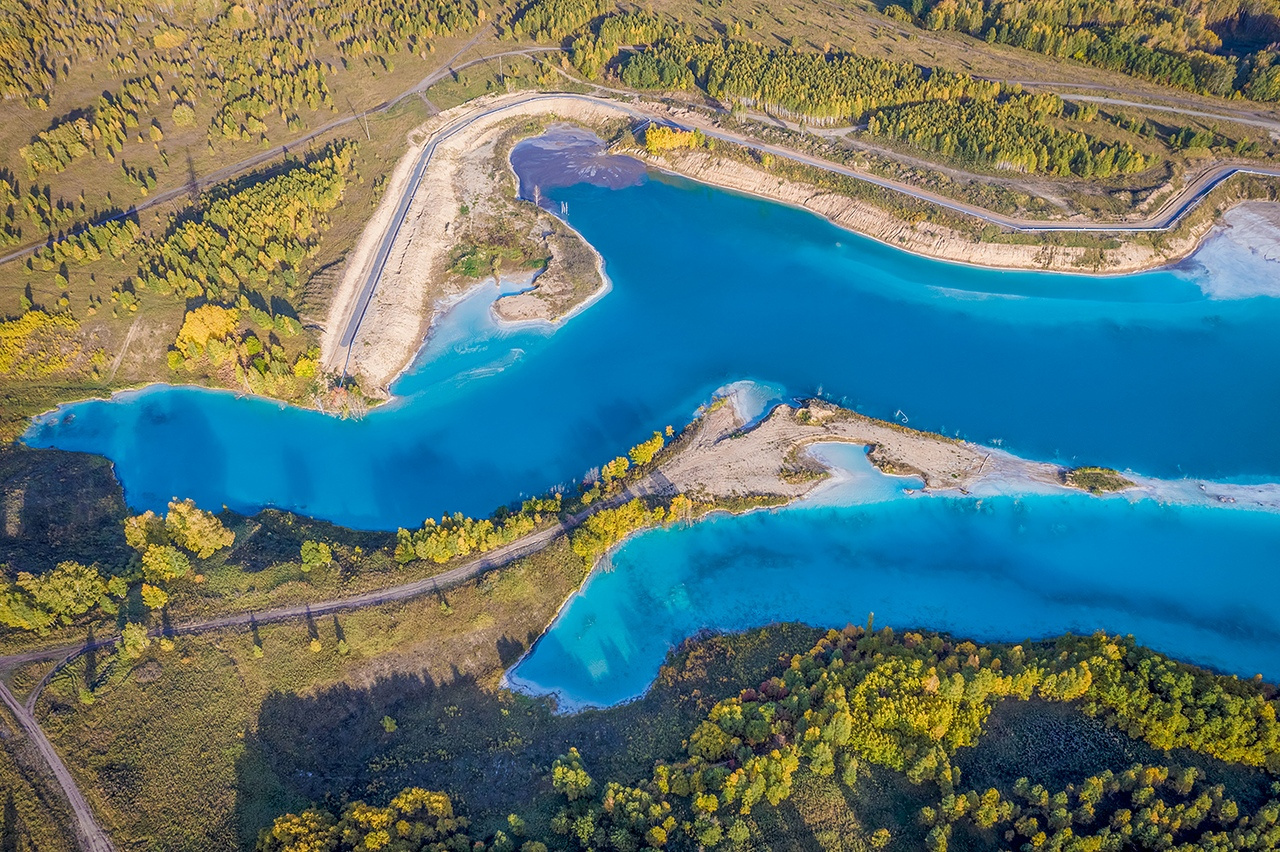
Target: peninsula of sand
(456, 178)
(725, 455)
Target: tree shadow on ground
(40, 527)
(1055, 744)
(489, 748)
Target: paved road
(227, 172)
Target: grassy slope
(170, 751)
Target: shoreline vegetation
(114, 297)
(720, 462)
(190, 563)
(475, 226)
(238, 670)
(404, 300)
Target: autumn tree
(142, 531)
(134, 641)
(162, 563)
(315, 554)
(195, 529)
(154, 597)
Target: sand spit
(461, 174)
(722, 460)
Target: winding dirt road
(90, 833)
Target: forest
(908, 703)
(1216, 48)
(1014, 133)
(233, 259)
(241, 74)
(956, 116)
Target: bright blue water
(709, 288)
(1184, 580)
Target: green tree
(196, 530)
(134, 641)
(315, 554)
(163, 562)
(570, 778)
(142, 531)
(67, 591)
(154, 597)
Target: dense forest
(1015, 133)
(908, 703)
(254, 60)
(963, 118)
(240, 71)
(1217, 48)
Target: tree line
(1144, 807)
(1172, 43)
(552, 20)
(908, 703)
(102, 133)
(164, 545)
(957, 116)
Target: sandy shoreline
(722, 460)
(400, 313)
(726, 457)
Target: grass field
(33, 815)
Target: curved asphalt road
(1163, 220)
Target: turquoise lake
(1158, 373)
(1197, 583)
(1143, 372)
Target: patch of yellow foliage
(38, 344)
(205, 323)
(658, 138)
(167, 39)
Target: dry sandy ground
(937, 241)
(1256, 225)
(768, 460)
(722, 460)
(463, 171)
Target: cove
(1184, 580)
(710, 287)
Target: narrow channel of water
(709, 287)
(1193, 582)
